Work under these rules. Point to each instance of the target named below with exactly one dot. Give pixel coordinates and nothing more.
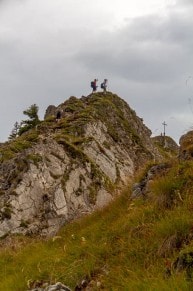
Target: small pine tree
(32, 113)
(15, 131)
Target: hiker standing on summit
(94, 85)
(104, 86)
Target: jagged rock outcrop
(186, 146)
(167, 144)
(141, 189)
(41, 286)
(60, 170)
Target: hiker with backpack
(104, 86)
(94, 85)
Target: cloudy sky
(52, 49)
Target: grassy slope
(125, 246)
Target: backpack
(92, 84)
(102, 85)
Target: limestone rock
(59, 171)
(41, 286)
(186, 146)
(166, 143)
(141, 189)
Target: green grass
(11, 149)
(125, 246)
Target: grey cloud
(148, 49)
(171, 29)
(147, 62)
(184, 2)
(8, 2)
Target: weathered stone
(55, 287)
(136, 191)
(166, 142)
(141, 189)
(72, 167)
(186, 146)
(50, 111)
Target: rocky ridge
(61, 170)
(186, 146)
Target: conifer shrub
(32, 113)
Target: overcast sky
(52, 49)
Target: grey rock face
(74, 166)
(140, 189)
(50, 111)
(55, 287)
(186, 146)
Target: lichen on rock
(72, 166)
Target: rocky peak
(166, 144)
(186, 146)
(63, 169)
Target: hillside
(131, 244)
(58, 171)
(98, 159)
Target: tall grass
(124, 246)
